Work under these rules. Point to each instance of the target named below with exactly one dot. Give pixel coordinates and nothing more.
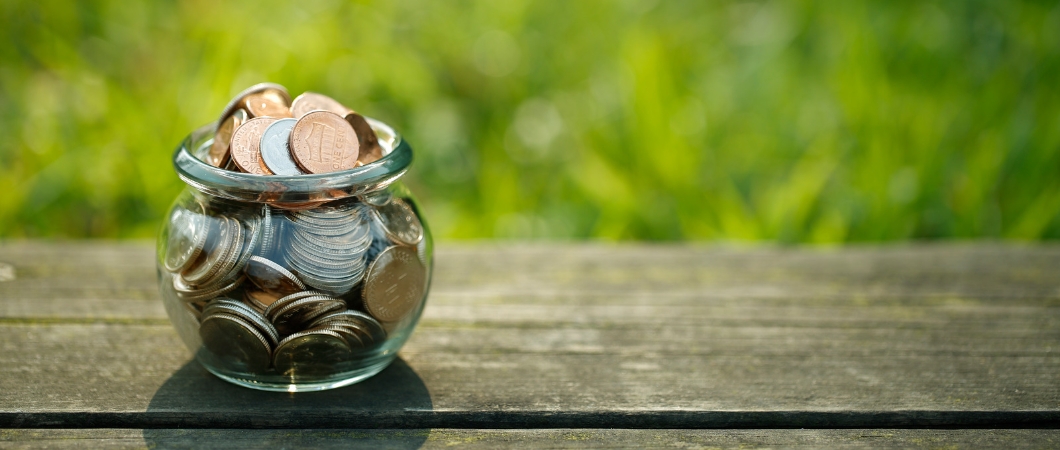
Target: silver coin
(311, 354)
(219, 245)
(395, 284)
(400, 222)
(274, 149)
(190, 294)
(238, 309)
(272, 277)
(235, 343)
(296, 315)
(369, 330)
(224, 271)
(186, 236)
(267, 232)
(284, 301)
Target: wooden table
(574, 345)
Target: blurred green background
(789, 121)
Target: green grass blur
(789, 121)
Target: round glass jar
(294, 283)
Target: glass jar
(294, 283)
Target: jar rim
(196, 173)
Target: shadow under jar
(294, 283)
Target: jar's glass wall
(291, 297)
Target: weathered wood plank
(549, 438)
(638, 336)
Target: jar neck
(214, 181)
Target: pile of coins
(263, 132)
(304, 292)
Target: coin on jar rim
(323, 142)
(272, 277)
(400, 222)
(187, 236)
(311, 353)
(222, 140)
(238, 100)
(370, 151)
(394, 284)
(246, 146)
(312, 101)
(235, 342)
(274, 149)
(268, 103)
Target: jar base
(344, 379)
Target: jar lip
(397, 156)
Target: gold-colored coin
(394, 284)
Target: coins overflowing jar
(294, 260)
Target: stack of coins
(298, 292)
(263, 132)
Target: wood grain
(581, 335)
(549, 438)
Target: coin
(186, 236)
(217, 247)
(288, 299)
(366, 329)
(268, 103)
(324, 142)
(272, 277)
(259, 300)
(274, 150)
(296, 315)
(246, 146)
(238, 100)
(394, 284)
(370, 151)
(219, 149)
(228, 306)
(400, 222)
(311, 101)
(235, 343)
(311, 354)
(190, 294)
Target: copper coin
(259, 300)
(311, 101)
(238, 100)
(222, 140)
(268, 103)
(324, 142)
(246, 146)
(395, 284)
(370, 151)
